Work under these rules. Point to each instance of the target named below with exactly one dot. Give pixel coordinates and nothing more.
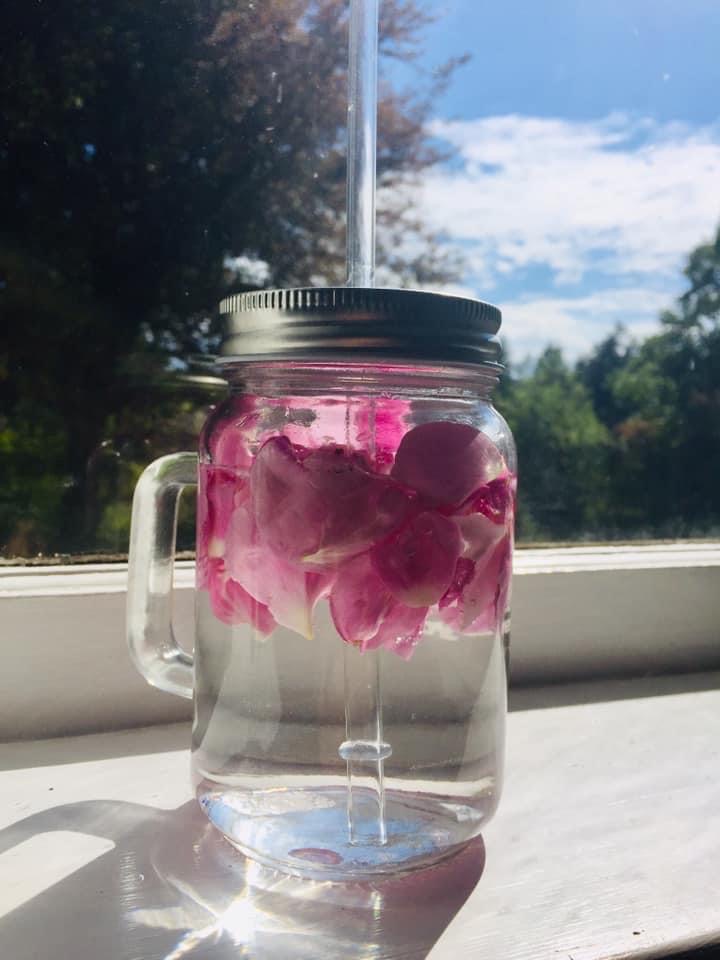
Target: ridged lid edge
(359, 323)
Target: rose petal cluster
(427, 528)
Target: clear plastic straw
(364, 748)
(362, 142)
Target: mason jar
(355, 505)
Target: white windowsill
(606, 845)
(99, 578)
(578, 613)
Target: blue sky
(588, 142)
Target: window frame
(578, 613)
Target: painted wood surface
(606, 845)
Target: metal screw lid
(356, 323)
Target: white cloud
(577, 323)
(619, 196)
(615, 204)
(248, 270)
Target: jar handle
(153, 647)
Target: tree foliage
(628, 443)
(563, 449)
(147, 146)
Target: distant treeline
(626, 443)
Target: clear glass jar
(354, 542)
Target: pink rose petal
(485, 622)
(417, 564)
(232, 604)
(321, 506)
(484, 596)
(358, 601)
(479, 613)
(287, 517)
(479, 535)
(300, 524)
(366, 614)
(226, 441)
(232, 450)
(289, 592)
(400, 630)
(482, 576)
(219, 490)
(464, 572)
(495, 500)
(446, 461)
(360, 507)
(218, 487)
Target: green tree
(597, 371)
(670, 392)
(145, 146)
(645, 434)
(562, 450)
(658, 402)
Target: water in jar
(270, 724)
(349, 659)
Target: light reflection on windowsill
(172, 887)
